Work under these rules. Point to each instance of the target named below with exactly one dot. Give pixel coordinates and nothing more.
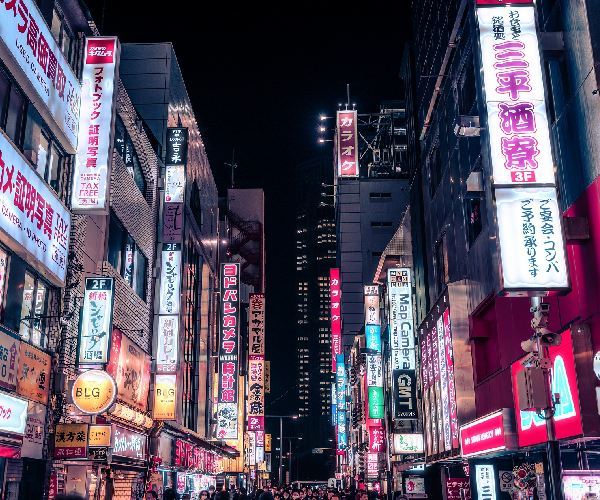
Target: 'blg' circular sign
(94, 392)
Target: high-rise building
(315, 255)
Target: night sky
(258, 81)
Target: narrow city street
(330, 252)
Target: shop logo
(100, 51)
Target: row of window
(25, 127)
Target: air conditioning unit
(531, 386)
(467, 126)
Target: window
(435, 170)
(467, 91)
(378, 224)
(34, 310)
(63, 36)
(126, 257)
(441, 264)
(13, 115)
(126, 150)
(473, 218)
(380, 196)
(42, 151)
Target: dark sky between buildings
(257, 82)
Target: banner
(335, 301)
(256, 326)
(170, 279)
(168, 344)
(404, 394)
(228, 350)
(165, 391)
(256, 395)
(91, 177)
(401, 320)
(33, 379)
(129, 365)
(96, 320)
(347, 144)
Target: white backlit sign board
(168, 344)
(514, 94)
(31, 215)
(26, 36)
(96, 320)
(531, 240)
(170, 279)
(98, 98)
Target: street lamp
(281, 417)
(289, 438)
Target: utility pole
(543, 338)
(232, 165)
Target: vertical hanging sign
(170, 279)
(96, 321)
(227, 412)
(374, 359)
(91, 178)
(342, 432)
(177, 139)
(347, 144)
(256, 326)
(335, 301)
(530, 237)
(256, 395)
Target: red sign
(53, 486)
(483, 435)
(458, 488)
(189, 456)
(100, 51)
(503, 2)
(567, 418)
(335, 296)
(347, 144)
(376, 439)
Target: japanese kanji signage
(514, 93)
(70, 441)
(529, 221)
(340, 403)
(96, 320)
(256, 395)
(13, 414)
(229, 348)
(129, 365)
(372, 305)
(31, 215)
(440, 419)
(335, 297)
(177, 139)
(400, 316)
(170, 279)
(26, 36)
(172, 231)
(165, 391)
(347, 144)
(91, 177)
(176, 157)
(100, 436)
(33, 377)
(167, 344)
(129, 444)
(9, 357)
(376, 438)
(35, 431)
(485, 480)
(256, 326)
(486, 434)
(407, 444)
(531, 241)
(267, 377)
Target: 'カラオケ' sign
(96, 121)
(347, 144)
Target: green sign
(376, 402)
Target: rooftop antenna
(232, 165)
(347, 96)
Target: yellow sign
(33, 375)
(99, 436)
(267, 443)
(165, 391)
(70, 441)
(94, 392)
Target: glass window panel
(120, 138)
(3, 272)
(138, 175)
(56, 25)
(34, 148)
(27, 305)
(141, 270)
(4, 91)
(115, 243)
(54, 168)
(14, 116)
